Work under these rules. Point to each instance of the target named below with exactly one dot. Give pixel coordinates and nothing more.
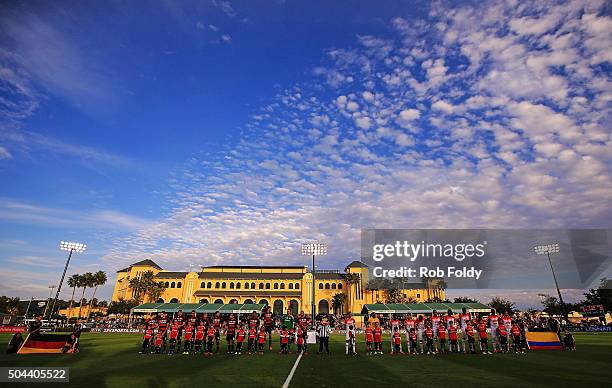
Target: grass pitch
(111, 360)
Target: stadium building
(282, 287)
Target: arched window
(320, 286)
(231, 285)
(333, 286)
(276, 286)
(246, 285)
(204, 301)
(248, 301)
(160, 300)
(219, 301)
(209, 285)
(261, 286)
(339, 286)
(327, 286)
(297, 286)
(267, 286)
(253, 286)
(172, 285)
(291, 286)
(202, 285)
(233, 301)
(282, 286)
(179, 285)
(174, 300)
(167, 284)
(238, 285)
(223, 285)
(217, 285)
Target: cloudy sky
(228, 132)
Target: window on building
(209, 285)
(418, 296)
(297, 286)
(261, 286)
(238, 285)
(291, 286)
(282, 286)
(267, 286)
(320, 286)
(231, 285)
(167, 284)
(333, 286)
(253, 286)
(202, 285)
(276, 286)
(223, 285)
(246, 285)
(339, 286)
(327, 286)
(179, 285)
(172, 285)
(217, 285)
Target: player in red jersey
(409, 323)
(516, 338)
(302, 321)
(261, 340)
(429, 339)
(502, 336)
(211, 336)
(442, 338)
(453, 338)
(394, 323)
(162, 327)
(252, 340)
(254, 321)
(413, 339)
(268, 318)
(174, 338)
(377, 334)
(300, 339)
(159, 342)
(217, 322)
(230, 332)
(188, 338)
(193, 319)
(396, 340)
(147, 339)
(483, 337)
(240, 336)
(284, 340)
(369, 335)
(470, 336)
(348, 321)
(200, 333)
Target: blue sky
(200, 133)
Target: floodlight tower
(314, 249)
(547, 250)
(70, 247)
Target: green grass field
(111, 360)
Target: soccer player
(200, 332)
(377, 334)
(162, 327)
(449, 319)
(351, 349)
(147, 340)
(483, 337)
(240, 336)
(254, 321)
(291, 339)
(494, 324)
(284, 340)
(507, 321)
(394, 323)
(211, 337)
(174, 338)
(261, 340)
(268, 318)
(252, 339)
(470, 336)
(369, 336)
(301, 339)
(569, 343)
(502, 335)
(412, 349)
(179, 320)
(420, 324)
(230, 332)
(193, 319)
(396, 340)
(349, 321)
(453, 338)
(464, 320)
(516, 338)
(159, 342)
(429, 339)
(435, 322)
(409, 323)
(442, 338)
(188, 339)
(302, 320)
(216, 324)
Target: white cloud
(4, 153)
(363, 122)
(443, 106)
(407, 116)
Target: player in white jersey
(435, 321)
(420, 329)
(506, 320)
(395, 323)
(494, 324)
(409, 323)
(349, 321)
(464, 319)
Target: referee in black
(323, 331)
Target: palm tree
(99, 279)
(73, 282)
(87, 280)
(350, 279)
(338, 301)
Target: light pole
(547, 250)
(51, 288)
(314, 249)
(70, 247)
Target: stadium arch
(277, 308)
(174, 300)
(219, 301)
(293, 306)
(323, 306)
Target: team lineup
(433, 334)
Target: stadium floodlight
(70, 247)
(314, 249)
(547, 250)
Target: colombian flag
(546, 340)
(44, 343)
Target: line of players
(196, 334)
(443, 334)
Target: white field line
(286, 384)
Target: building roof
(148, 263)
(124, 270)
(356, 264)
(328, 276)
(250, 275)
(253, 293)
(171, 275)
(256, 266)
